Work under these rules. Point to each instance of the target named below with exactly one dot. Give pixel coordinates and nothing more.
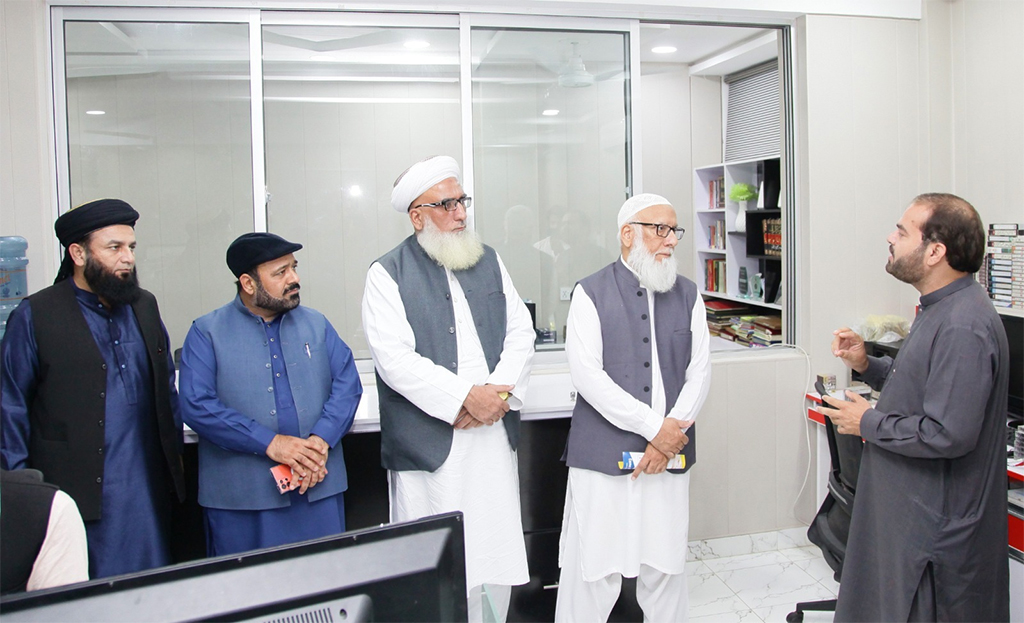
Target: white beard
(654, 275)
(452, 250)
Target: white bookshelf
(735, 245)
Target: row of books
(736, 322)
(716, 194)
(716, 235)
(714, 275)
(772, 236)
(1002, 271)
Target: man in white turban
(637, 346)
(452, 343)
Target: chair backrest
(845, 451)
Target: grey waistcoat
(409, 438)
(594, 442)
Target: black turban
(75, 224)
(250, 250)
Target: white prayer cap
(638, 202)
(418, 178)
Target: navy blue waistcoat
(409, 438)
(237, 480)
(594, 442)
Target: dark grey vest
(594, 442)
(409, 438)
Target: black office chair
(831, 526)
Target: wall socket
(565, 293)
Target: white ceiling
(104, 48)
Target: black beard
(115, 290)
(263, 300)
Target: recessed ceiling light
(663, 49)
(95, 112)
(355, 191)
(550, 112)
(417, 44)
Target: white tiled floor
(757, 578)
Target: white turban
(638, 202)
(420, 177)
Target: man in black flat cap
(88, 394)
(265, 382)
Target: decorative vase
(741, 219)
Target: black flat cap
(75, 224)
(79, 222)
(250, 250)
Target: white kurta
(480, 475)
(620, 523)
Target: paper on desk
(631, 459)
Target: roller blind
(752, 117)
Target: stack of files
(720, 315)
(1003, 269)
(766, 330)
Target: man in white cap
(638, 354)
(452, 343)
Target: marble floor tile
(710, 596)
(697, 567)
(759, 587)
(802, 553)
(793, 537)
(818, 569)
(777, 614)
(733, 545)
(740, 616)
(761, 559)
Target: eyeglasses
(662, 230)
(448, 204)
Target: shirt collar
(934, 297)
(240, 306)
(86, 297)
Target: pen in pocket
(308, 356)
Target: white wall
(27, 193)
(890, 109)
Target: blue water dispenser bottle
(13, 277)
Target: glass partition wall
(550, 140)
(183, 115)
(158, 115)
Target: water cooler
(13, 277)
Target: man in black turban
(88, 394)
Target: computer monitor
(1014, 326)
(414, 571)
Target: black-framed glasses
(662, 230)
(448, 204)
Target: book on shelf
(772, 232)
(1002, 271)
(714, 275)
(716, 193)
(716, 235)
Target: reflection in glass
(347, 109)
(158, 115)
(550, 132)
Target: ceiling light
(417, 44)
(663, 49)
(355, 191)
(95, 112)
(550, 112)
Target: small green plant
(742, 192)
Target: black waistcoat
(68, 409)
(26, 501)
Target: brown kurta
(931, 494)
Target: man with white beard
(452, 343)
(638, 354)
